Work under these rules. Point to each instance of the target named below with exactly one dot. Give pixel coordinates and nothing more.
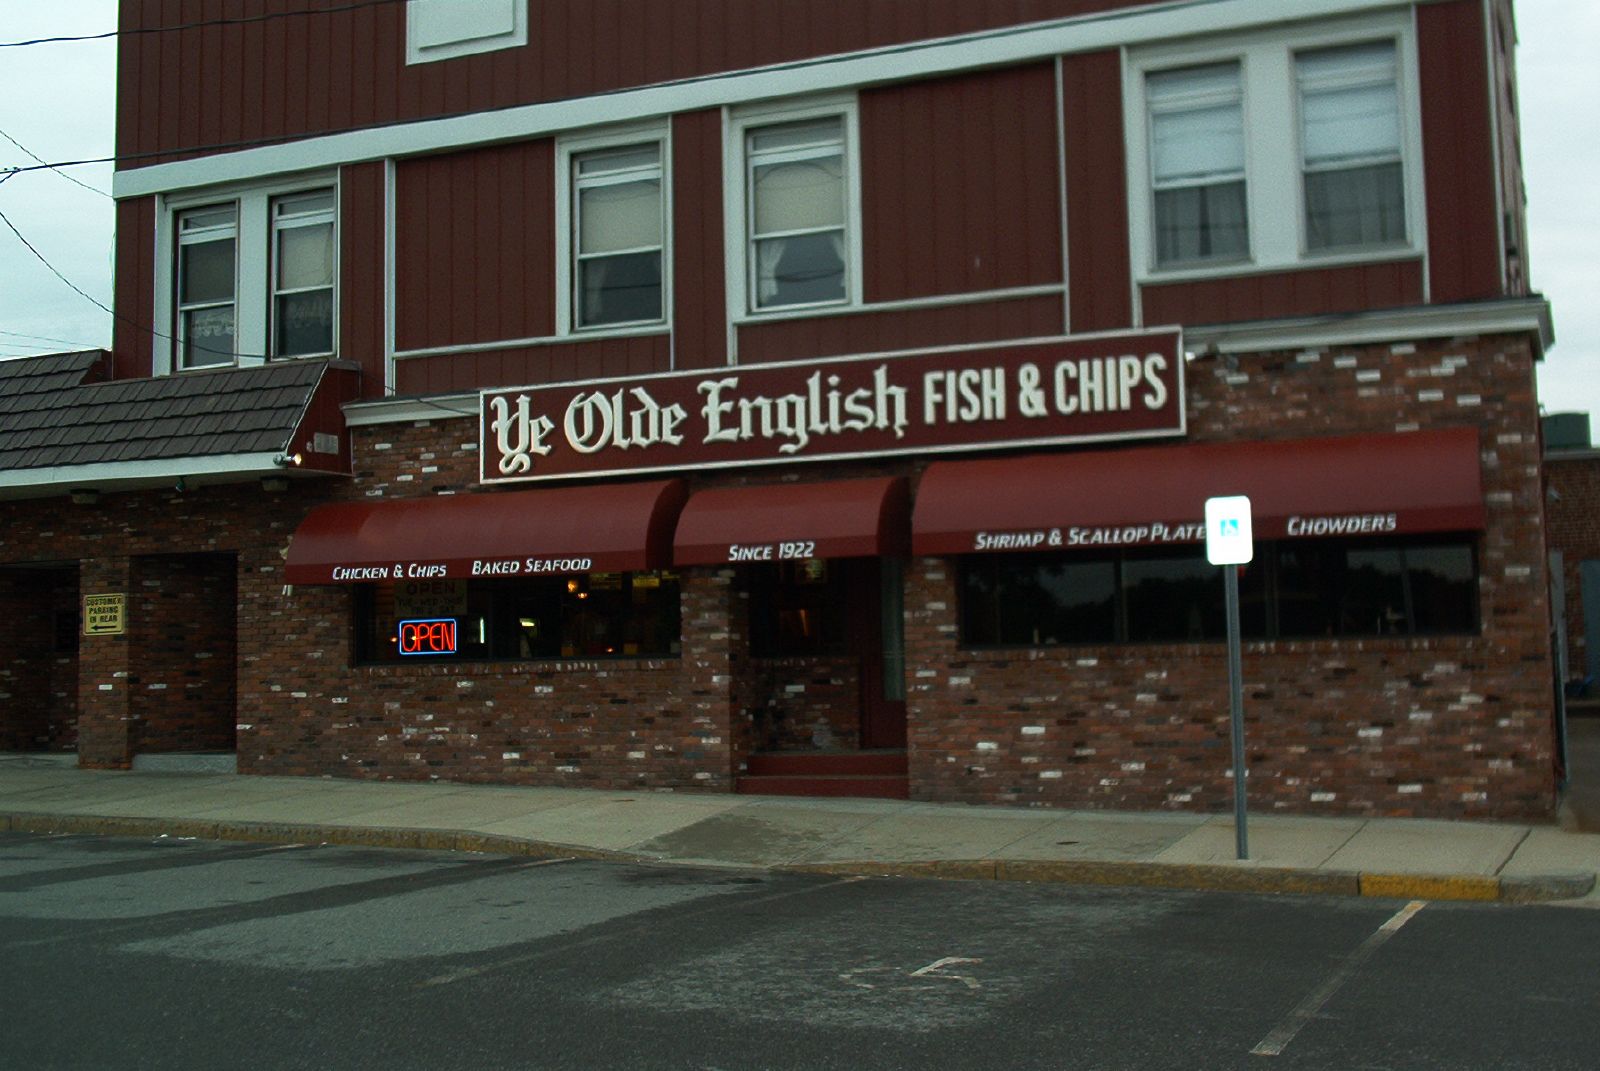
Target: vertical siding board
(361, 239)
(1097, 207)
(341, 75)
(133, 287)
(699, 292)
(313, 45)
(1458, 152)
(130, 73)
(628, 31)
(188, 71)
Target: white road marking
(1278, 1040)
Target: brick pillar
(106, 673)
(712, 631)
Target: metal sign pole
(1236, 708)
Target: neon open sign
(428, 636)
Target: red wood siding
(475, 246)
(1512, 201)
(134, 288)
(1097, 198)
(361, 223)
(552, 363)
(341, 70)
(699, 302)
(1458, 149)
(960, 184)
(1312, 292)
(877, 332)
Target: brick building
(803, 397)
(1572, 495)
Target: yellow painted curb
(1429, 887)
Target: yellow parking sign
(105, 615)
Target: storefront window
(799, 609)
(1294, 589)
(594, 615)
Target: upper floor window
(248, 279)
(618, 236)
(1275, 149)
(1351, 146)
(1197, 151)
(206, 288)
(798, 209)
(302, 286)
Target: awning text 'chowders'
(1063, 390)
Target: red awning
(774, 521)
(1422, 481)
(602, 528)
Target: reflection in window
(800, 608)
(618, 235)
(592, 615)
(207, 270)
(302, 274)
(1294, 589)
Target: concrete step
(881, 763)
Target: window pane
(802, 195)
(1310, 580)
(207, 336)
(1173, 598)
(1035, 600)
(305, 256)
(304, 323)
(1198, 144)
(1201, 223)
(206, 272)
(1355, 123)
(788, 136)
(592, 616)
(799, 608)
(613, 160)
(620, 289)
(1444, 588)
(301, 204)
(203, 218)
(1359, 206)
(623, 216)
(799, 270)
(1374, 602)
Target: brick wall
(1429, 726)
(1574, 518)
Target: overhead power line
(352, 6)
(49, 166)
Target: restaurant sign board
(1038, 392)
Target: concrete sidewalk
(1341, 856)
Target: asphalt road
(182, 954)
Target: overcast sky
(57, 102)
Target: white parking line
(1278, 1040)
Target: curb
(1193, 876)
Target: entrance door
(877, 627)
(1589, 581)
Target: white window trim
(418, 51)
(566, 263)
(253, 277)
(1274, 190)
(741, 306)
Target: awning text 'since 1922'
(1035, 392)
(1366, 485)
(795, 521)
(606, 528)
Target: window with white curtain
(797, 211)
(303, 260)
(1354, 185)
(1198, 164)
(618, 236)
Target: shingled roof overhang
(64, 428)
